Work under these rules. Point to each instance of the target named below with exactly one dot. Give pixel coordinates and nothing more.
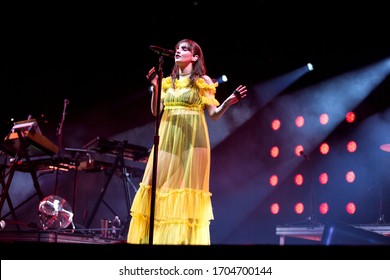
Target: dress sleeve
(165, 84)
(207, 92)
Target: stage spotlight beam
(221, 79)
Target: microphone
(161, 51)
(302, 153)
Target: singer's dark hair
(199, 66)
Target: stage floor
(56, 245)
(314, 232)
(55, 237)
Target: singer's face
(183, 55)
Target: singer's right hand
(152, 76)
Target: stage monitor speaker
(337, 233)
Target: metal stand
(311, 220)
(119, 163)
(381, 219)
(21, 153)
(155, 155)
(10, 205)
(76, 155)
(59, 134)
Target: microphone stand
(381, 219)
(59, 134)
(312, 219)
(155, 154)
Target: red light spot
(324, 119)
(350, 117)
(324, 208)
(351, 146)
(299, 121)
(350, 176)
(298, 179)
(299, 208)
(274, 208)
(273, 180)
(274, 152)
(298, 150)
(324, 148)
(323, 179)
(275, 124)
(350, 208)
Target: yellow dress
(183, 209)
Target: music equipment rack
(24, 142)
(114, 148)
(30, 151)
(45, 163)
(121, 150)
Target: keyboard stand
(6, 180)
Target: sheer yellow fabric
(183, 209)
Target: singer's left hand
(238, 94)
